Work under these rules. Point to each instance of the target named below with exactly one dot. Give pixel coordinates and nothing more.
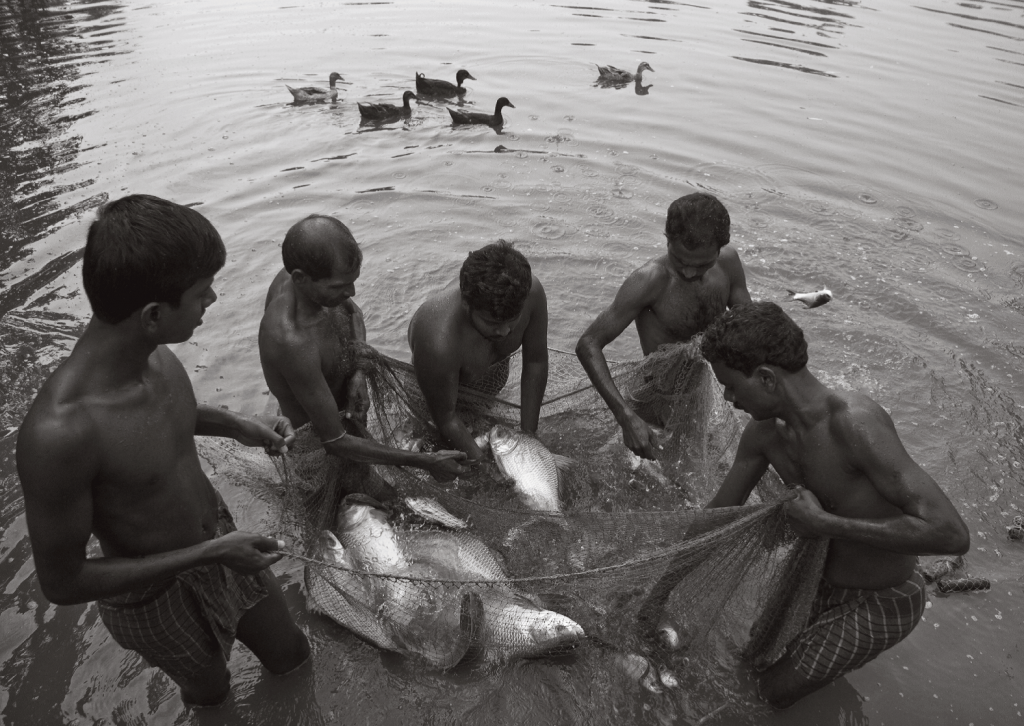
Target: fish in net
(518, 582)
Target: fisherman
(107, 449)
(312, 339)
(466, 335)
(671, 298)
(855, 486)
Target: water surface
(870, 148)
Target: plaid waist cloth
(849, 628)
(184, 624)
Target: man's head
(495, 282)
(696, 228)
(747, 346)
(145, 253)
(322, 256)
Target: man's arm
(747, 468)
(928, 525)
(356, 394)
(57, 462)
(535, 360)
(641, 289)
(271, 432)
(729, 259)
(298, 361)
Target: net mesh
(627, 548)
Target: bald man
(309, 335)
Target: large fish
(407, 612)
(533, 469)
(513, 625)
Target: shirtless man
(309, 339)
(107, 449)
(856, 486)
(465, 335)
(671, 299)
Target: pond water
(873, 148)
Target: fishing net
(629, 548)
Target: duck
(379, 111)
(617, 75)
(473, 117)
(315, 94)
(437, 87)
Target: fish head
(329, 549)
(365, 532)
(551, 629)
(503, 439)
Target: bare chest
(686, 308)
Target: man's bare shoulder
(60, 424)
(648, 282)
(855, 416)
(436, 318)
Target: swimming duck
(315, 94)
(378, 111)
(617, 75)
(473, 117)
(436, 87)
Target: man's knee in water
(208, 688)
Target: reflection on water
(892, 183)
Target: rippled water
(873, 148)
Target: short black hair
(496, 279)
(754, 334)
(143, 249)
(316, 243)
(698, 208)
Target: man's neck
(117, 352)
(806, 400)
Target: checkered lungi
(186, 623)
(849, 628)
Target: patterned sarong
(184, 624)
(849, 628)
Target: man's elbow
(586, 347)
(955, 539)
(60, 593)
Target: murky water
(873, 148)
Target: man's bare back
(824, 459)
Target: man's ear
(767, 377)
(299, 277)
(149, 316)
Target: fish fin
(563, 463)
(471, 623)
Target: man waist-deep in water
(856, 486)
(107, 449)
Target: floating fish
(533, 469)
(432, 511)
(812, 299)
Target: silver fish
(812, 299)
(404, 612)
(513, 625)
(432, 511)
(532, 468)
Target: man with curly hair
(855, 486)
(670, 298)
(465, 336)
